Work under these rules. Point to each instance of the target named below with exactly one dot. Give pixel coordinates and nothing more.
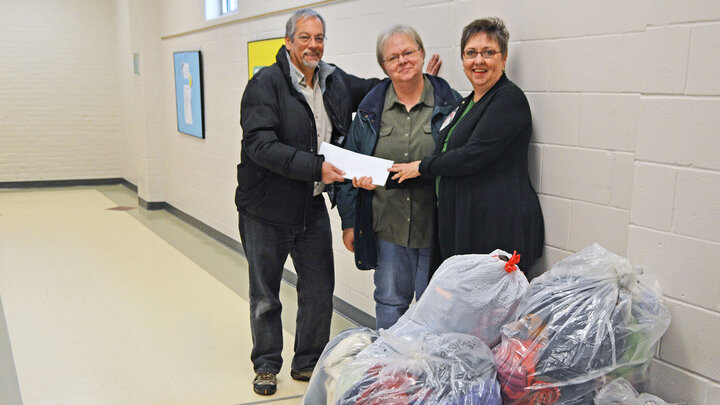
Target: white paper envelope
(356, 164)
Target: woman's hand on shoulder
(433, 65)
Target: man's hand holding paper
(356, 165)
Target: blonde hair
(391, 30)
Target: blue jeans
(400, 272)
(266, 248)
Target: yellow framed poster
(262, 53)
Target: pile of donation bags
(437, 352)
(557, 340)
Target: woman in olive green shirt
(392, 233)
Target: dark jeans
(266, 248)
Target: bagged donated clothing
(437, 353)
(445, 369)
(588, 317)
(473, 294)
(449, 368)
(333, 371)
(621, 392)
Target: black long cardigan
(485, 198)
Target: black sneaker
(301, 375)
(265, 383)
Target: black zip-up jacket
(279, 161)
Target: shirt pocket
(426, 142)
(385, 131)
(427, 129)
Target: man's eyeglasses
(485, 53)
(305, 39)
(407, 55)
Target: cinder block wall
(625, 150)
(58, 103)
(625, 99)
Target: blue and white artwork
(188, 93)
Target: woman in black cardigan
(485, 199)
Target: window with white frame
(229, 6)
(219, 8)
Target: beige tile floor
(123, 307)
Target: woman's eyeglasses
(407, 55)
(485, 53)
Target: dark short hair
(300, 14)
(493, 27)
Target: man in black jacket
(287, 110)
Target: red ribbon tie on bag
(510, 266)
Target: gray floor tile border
(9, 385)
(61, 183)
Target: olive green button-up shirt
(404, 216)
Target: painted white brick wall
(679, 130)
(625, 99)
(690, 340)
(684, 266)
(702, 67)
(598, 223)
(647, 209)
(608, 121)
(677, 385)
(696, 211)
(664, 74)
(58, 110)
(556, 213)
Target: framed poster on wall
(262, 53)
(189, 93)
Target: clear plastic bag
(362, 367)
(437, 353)
(621, 392)
(473, 294)
(588, 317)
(428, 368)
(335, 370)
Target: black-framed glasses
(407, 55)
(485, 53)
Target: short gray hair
(388, 32)
(493, 27)
(300, 14)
